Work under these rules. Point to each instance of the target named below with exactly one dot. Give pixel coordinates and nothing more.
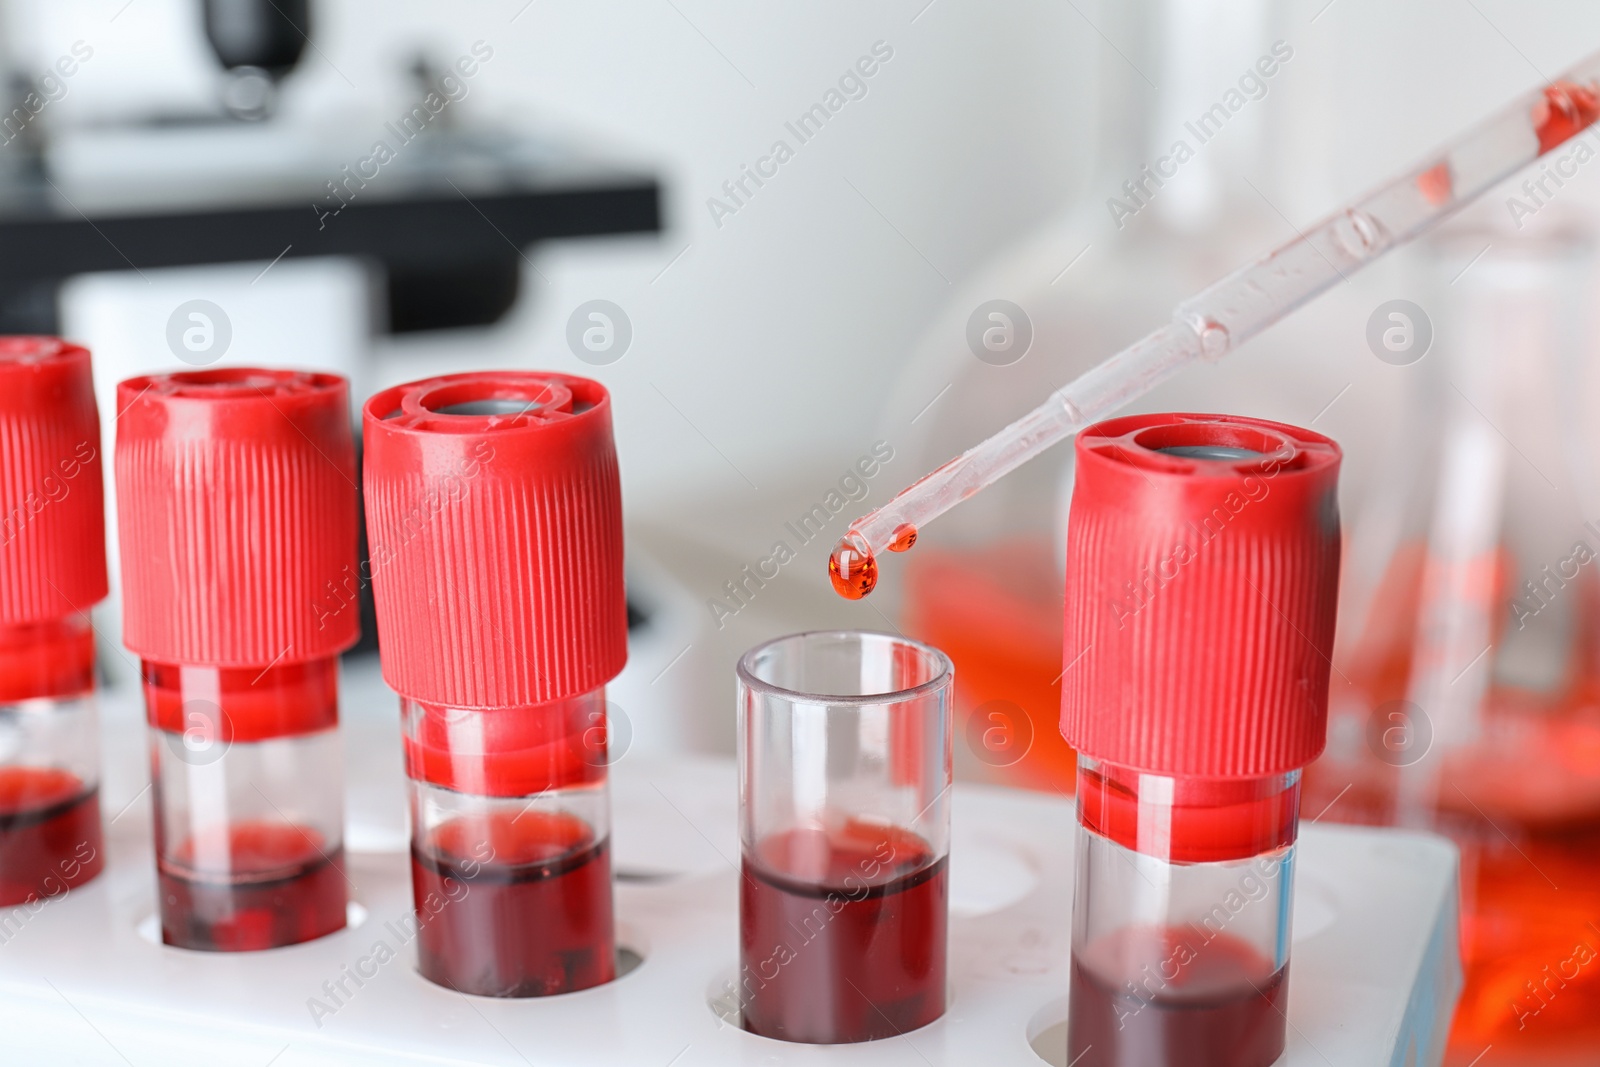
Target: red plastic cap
(236, 509)
(52, 504)
(494, 515)
(1202, 575)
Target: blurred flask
(1175, 199)
(1466, 697)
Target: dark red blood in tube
(49, 833)
(843, 934)
(514, 905)
(282, 887)
(1147, 993)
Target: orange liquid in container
(1523, 805)
(1001, 626)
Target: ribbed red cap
(236, 512)
(1202, 574)
(52, 504)
(494, 515)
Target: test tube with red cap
(494, 516)
(1202, 570)
(52, 570)
(236, 510)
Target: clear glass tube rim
(942, 671)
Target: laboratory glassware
(237, 520)
(1241, 305)
(1202, 576)
(1142, 233)
(1469, 701)
(844, 816)
(52, 570)
(494, 515)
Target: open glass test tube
(237, 516)
(844, 817)
(52, 569)
(1202, 574)
(495, 519)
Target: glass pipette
(1235, 309)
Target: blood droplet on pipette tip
(1566, 111)
(1435, 184)
(852, 568)
(905, 535)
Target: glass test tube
(510, 846)
(1180, 925)
(495, 520)
(50, 839)
(844, 815)
(249, 800)
(238, 530)
(52, 570)
(1202, 575)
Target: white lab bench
(84, 980)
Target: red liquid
(1001, 625)
(49, 833)
(282, 888)
(507, 752)
(1566, 111)
(856, 576)
(1209, 821)
(905, 536)
(842, 934)
(514, 906)
(46, 659)
(1523, 804)
(1221, 1007)
(1435, 184)
(250, 704)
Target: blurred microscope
(196, 181)
(444, 207)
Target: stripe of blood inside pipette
(1566, 111)
(1435, 183)
(905, 535)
